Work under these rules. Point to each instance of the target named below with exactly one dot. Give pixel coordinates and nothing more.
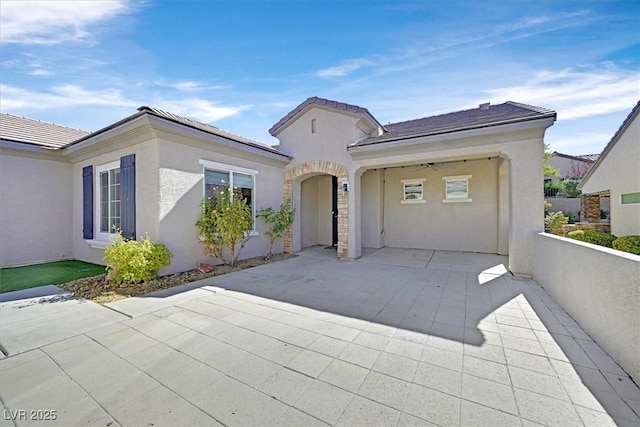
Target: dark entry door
(334, 209)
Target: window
(219, 176)
(108, 203)
(456, 188)
(313, 125)
(413, 191)
(109, 200)
(630, 199)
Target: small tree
(578, 170)
(548, 169)
(279, 222)
(570, 187)
(225, 223)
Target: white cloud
(68, 96)
(346, 67)
(192, 86)
(576, 92)
(200, 109)
(14, 98)
(51, 22)
(40, 72)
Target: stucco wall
(465, 226)
(35, 199)
(619, 172)
(181, 189)
(145, 149)
(599, 288)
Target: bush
(279, 222)
(135, 261)
(629, 244)
(225, 223)
(570, 187)
(555, 220)
(595, 237)
(572, 217)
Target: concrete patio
(400, 337)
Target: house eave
(279, 127)
(25, 149)
(144, 118)
(161, 123)
(413, 140)
(625, 125)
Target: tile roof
(314, 100)
(484, 116)
(207, 128)
(589, 158)
(35, 132)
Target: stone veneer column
(590, 208)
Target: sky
(242, 65)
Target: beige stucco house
(464, 181)
(617, 174)
(572, 167)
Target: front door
(334, 209)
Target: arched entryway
(293, 179)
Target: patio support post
(526, 203)
(354, 220)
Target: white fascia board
(103, 136)
(409, 141)
(217, 139)
(30, 150)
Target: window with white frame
(630, 199)
(219, 177)
(413, 190)
(108, 200)
(456, 188)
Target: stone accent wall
(300, 172)
(590, 208)
(602, 227)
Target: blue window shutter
(128, 196)
(87, 202)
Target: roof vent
(485, 106)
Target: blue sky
(242, 65)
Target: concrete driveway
(399, 337)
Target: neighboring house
(617, 174)
(571, 167)
(464, 181)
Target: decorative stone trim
(298, 173)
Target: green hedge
(595, 237)
(629, 244)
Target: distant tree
(548, 169)
(578, 170)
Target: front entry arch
(292, 179)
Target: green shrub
(595, 237)
(279, 222)
(629, 244)
(555, 220)
(570, 187)
(225, 222)
(135, 261)
(571, 217)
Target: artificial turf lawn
(50, 273)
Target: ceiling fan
(438, 165)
